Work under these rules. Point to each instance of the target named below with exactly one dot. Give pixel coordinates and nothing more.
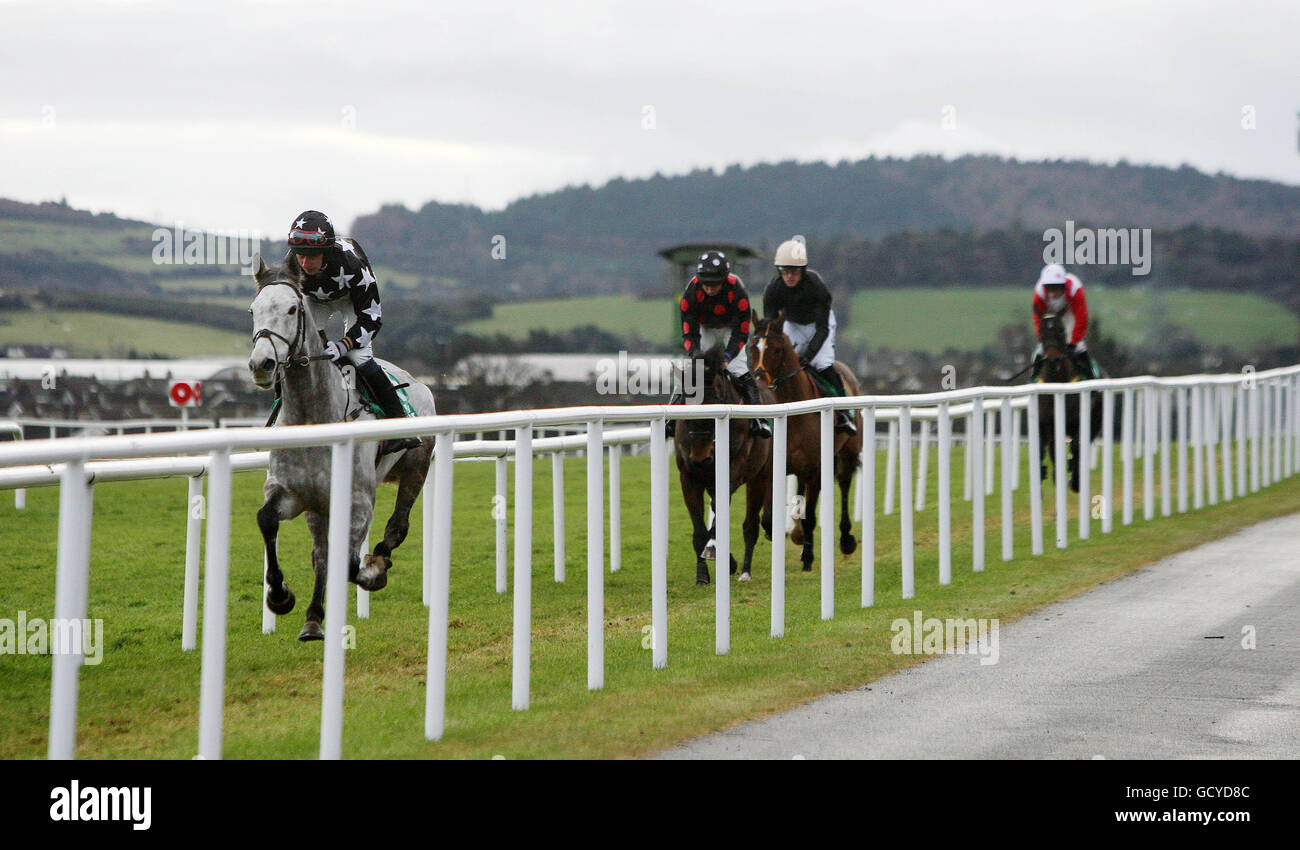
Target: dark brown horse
(776, 365)
(750, 465)
(1059, 367)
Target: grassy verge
(142, 700)
(89, 334)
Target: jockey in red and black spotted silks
(728, 309)
(715, 310)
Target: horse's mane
(713, 359)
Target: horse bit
(266, 333)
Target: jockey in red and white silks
(1060, 292)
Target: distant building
(33, 368)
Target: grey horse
(288, 346)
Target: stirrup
(760, 428)
(844, 423)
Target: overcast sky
(237, 115)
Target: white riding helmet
(1053, 275)
(791, 253)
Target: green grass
(113, 247)
(141, 702)
(89, 334)
(617, 314)
(77, 243)
(969, 319)
(964, 319)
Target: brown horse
(1059, 367)
(750, 465)
(776, 365)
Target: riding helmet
(1053, 275)
(792, 252)
(713, 267)
(311, 233)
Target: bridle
(767, 344)
(293, 357)
(1052, 326)
(702, 429)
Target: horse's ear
(261, 273)
(292, 270)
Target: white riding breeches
(710, 337)
(322, 313)
(801, 335)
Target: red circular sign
(185, 393)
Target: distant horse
(776, 365)
(287, 347)
(1059, 367)
(750, 463)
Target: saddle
(359, 398)
(821, 387)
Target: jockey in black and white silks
(801, 294)
(336, 277)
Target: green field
(142, 700)
(933, 320)
(130, 249)
(86, 334)
(618, 314)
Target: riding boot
(1086, 367)
(670, 427)
(381, 390)
(749, 395)
(1038, 367)
(843, 418)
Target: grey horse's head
(280, 322)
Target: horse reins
(292, 346)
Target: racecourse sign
(185, 393)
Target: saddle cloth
(359, 399)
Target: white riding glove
(336, 350)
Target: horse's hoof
(734, 565)
(283, 605)
(744, 576)
(373, 575)
(710, 552)
(807, 567)
(848, 544)
(311, 631)
(701, 575)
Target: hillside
(584, 240)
